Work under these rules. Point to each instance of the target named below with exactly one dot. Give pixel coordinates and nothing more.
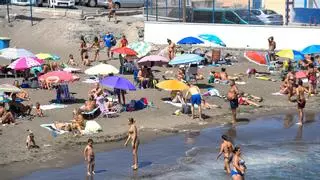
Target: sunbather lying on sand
(6, 117)
(246, 101)
(206, 105)
(63, 126)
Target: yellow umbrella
(172, 85)
(291, 54)
(47, 56)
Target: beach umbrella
(213, 39)
(141, 47)
(13, 53)
(25, 63)
(125, 50)
(172, 85)
(155, 59)
(102, 69)
(9, 88)
(256, 57)
(47, 56)
(59, 76)
(190, 40)
(301, 74)
(291, 54)
(313, 49)
(118, 83)
(186, 59)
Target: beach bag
(186, 109)
(139, 105)
(113, 42)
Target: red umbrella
(301, 74)
(256, 57)
(125, 50)
(59, 76)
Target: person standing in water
(89, 157)
(195, 93)
(233, 98)
(226, 149)
(171, 49)
(239, 167)
(133, 136)
(301, 100)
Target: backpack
(186, 109)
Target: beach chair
(92, 114)
(272, 65)
(104, 112)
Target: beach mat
(52, 106)
(178, 104)
(52, 128)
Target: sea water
(274, 147)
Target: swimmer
(239, 166)
(89, 157)
(226, 149)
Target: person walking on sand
(195, 93)
(233, 98)
(109, 42)
(112, 12)
(96, 47)
(89, 157)
(133, 136)
(272, 47)
(301, 101)
(171, 49)
(83, 48)
(226, 149)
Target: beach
(61, 36)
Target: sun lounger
(105, 112)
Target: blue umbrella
(313, 49)
(190, 40)
(212, 38)
(186, 59)
(118, 83)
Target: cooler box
(4, 42)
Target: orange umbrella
(256, 57)
(125, 50)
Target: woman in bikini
(96, 46)
(83, 48)
(171, 49)
(133, 136)
(312, 79)
(239, 167)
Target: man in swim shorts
(195, 93)
(301, 100)
(226, 149)
(233, 98)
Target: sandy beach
(61, 37)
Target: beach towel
(53, 129)
(92, 127)
(178, 104)
(71, 69)
(90, 81)
(212, 92)
(278, 94)
(52, 106)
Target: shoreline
(67, 157)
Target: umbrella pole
(8, 12)
(31, 18)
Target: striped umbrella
(14, 53)
(25, 63)
(291, 54)
(141, 47)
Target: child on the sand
(39, 112)
(89, 157)
(86, 60)
(71, 61)
(30, 142)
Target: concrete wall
(277, 5)
(235, 36)
(307, 15)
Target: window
(202, 16)
(230, 16)
(256, 12)
(268, 12)
(218, 17)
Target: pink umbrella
(301, 74)
(58, 76)
(25, 63)
(153, 59)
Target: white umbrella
(14, 53)
(102, 69)
(9, 88)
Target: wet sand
(66, 149)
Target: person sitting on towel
(19, 108)
(178, 98)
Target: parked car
(118, 3)
(269, 17)
(49, 3)
(252, 19)
(223, 16)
